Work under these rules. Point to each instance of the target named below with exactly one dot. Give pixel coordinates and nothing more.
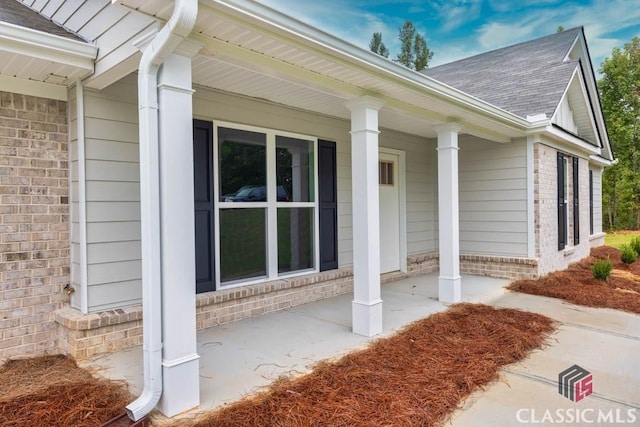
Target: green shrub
(635, 244)
(628, 255)
(602, 269)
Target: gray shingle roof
(14, 12)
(525, 79)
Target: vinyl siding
(113, 196)
(493, 197)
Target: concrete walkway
(242, 357)
(604, 342)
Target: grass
(619, 238)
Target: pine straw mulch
(578, 286)
(53, 391)
(416, 377)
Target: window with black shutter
(328, 205)
(562, 203)
(590, 202)
(576, 202)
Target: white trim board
(36, 44)
(33, 88)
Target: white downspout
(177, 28)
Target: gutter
(290, 29)
(177, 28)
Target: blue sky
(459, 28)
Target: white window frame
(271, 206)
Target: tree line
(619, 89)
(414, 52)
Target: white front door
(388, 180)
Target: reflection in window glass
(294, 169)
(295, 239)
(243, 252)
(242, 165)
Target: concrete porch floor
(240, 358)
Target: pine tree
(620, 96)
(376, 45)
(407, 36)
(422, 53)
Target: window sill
(569, 250)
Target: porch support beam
(180, 366)
(367, 305)
(449, 281)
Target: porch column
(180, 367)
(449, 281)
(367, 305)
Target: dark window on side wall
(576, 202)
(562, 203)
(591, 202)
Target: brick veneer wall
(546, 212)
(499, 267)
(34, 237)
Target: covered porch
(267, 80)
(239, 358)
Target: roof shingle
(525, 79)
(14, 12)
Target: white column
(367, 305)
(449, 281)
(180, 366)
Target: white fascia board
(571, 142)
(36, 44)
(292, 29)
(601, 161)
(33, 88)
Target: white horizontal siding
(110, 272)
(493, 198)
(113, 196)
(115, 295)
(108, 252)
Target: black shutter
(562, 207)
(590, 202)
(204, 207)
(328, 205)
(576, 202)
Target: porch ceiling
(249, 55)
(252, 50)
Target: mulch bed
(578, 286)
(416, 377)
(53, 391)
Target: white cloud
(457, 13)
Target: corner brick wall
(34, 224)
(546, 212)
